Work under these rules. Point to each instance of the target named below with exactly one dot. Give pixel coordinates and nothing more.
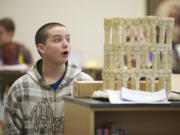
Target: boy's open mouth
(65, 53)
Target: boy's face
(57, 47)
(5, 36)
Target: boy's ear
(41, 48)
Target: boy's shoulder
(21, 80)
(78, 74)
(17, 87)
(26, 78)
(84, 77)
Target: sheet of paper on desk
(19, 67)
(137, 96)
(114, 96)
(143, 96)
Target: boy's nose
(65, 44)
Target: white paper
(18, 67)
(115, 97)
(143, 96)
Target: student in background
(11, 52)
(35, 101)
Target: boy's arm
(13, 118)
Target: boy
(12, 52)
(35, 101)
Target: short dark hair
(42, 33)
(8, 24)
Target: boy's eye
(57, 40)
(68, 39)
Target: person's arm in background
(26, 57)
(13, 117)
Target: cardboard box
(86, 88)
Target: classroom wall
(84, 18)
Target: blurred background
(84, 19)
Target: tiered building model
(140, 38)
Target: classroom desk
(83, 115)
(8, 77)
